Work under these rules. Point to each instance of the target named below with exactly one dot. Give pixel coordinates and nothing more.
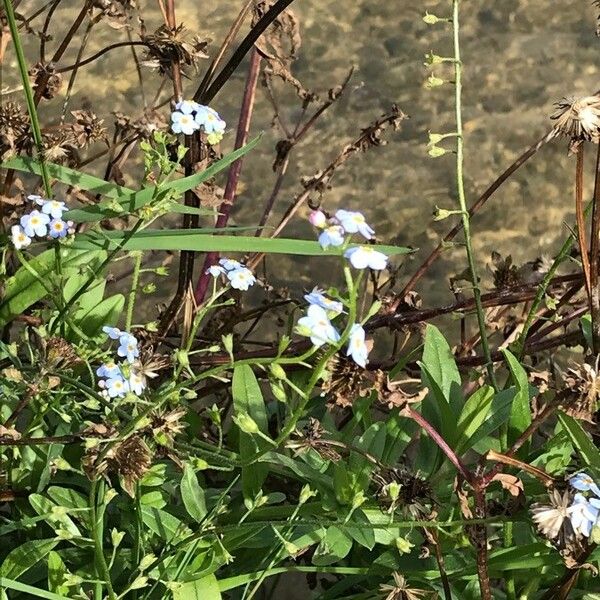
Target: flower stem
(97, 508)
(135, 279)
(460, 188)
(31, 108)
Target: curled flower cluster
(240, 277)
(570, 514)
(47, 221)
(189, 116)
(334, 230)
(317, 325)
(117, 380)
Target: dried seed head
(167, 46)
(60, 352)
(413, 491)
(578, 119)
(400, 590)
(583, 382)
(131, 459)
(311, 438)
(552, 519)
(166, 425)
(505, 273)
(14, 127)
(87, 128)
(45, 74)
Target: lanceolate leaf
(199, 241)
(24, 557)
(520, 415)
(206, 588)
(248, 400)
(583, 444)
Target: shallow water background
(519, 57)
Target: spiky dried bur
(397, 487)
(167, 46)
(310, 437)
(141, 127)
(578, 119)
(14, 128)
(583, 384)
(46, 75)
(401, 590)
(130, 459)
(117, 13)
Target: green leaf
(23, 289)
(77, 179)
(56, 573)
(164, 524)
(132, 202)
(106, 312)
(24, 557)
(520, 414)
(197, 240)
(192, 494)
(57, 519)
(583, 444)
(33, 592)
(333, 547)
(441, 367)
(248, 400)
(362, 533)
(474, 413)
(206, 588)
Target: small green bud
(403, 545)
(182, 358)
(139, 583)
(278, 391)
(146, 561)
(151, 326)
(433, 82)
(72, 580)
(63, 534)
(116, 537)
(436, 151)
(358, 500)
(434, 138)
(439, 214)
(228, 343)
(246, 423)
(291, 549)
(284, 342)
(149, 288)
(306, 494)
(433, 59)
(109, 496)
(277, 371)
(58, 512)
(393, 491)
(162, 271)
(430, 19)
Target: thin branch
(89, 59)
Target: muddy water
(519, 57)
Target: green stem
(31, 108)
(460, 188)
(135, 279)
(97, 507)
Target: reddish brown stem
(235, 170)
(439, 441)
(594, 251)
(580, 219)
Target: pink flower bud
(317, 218)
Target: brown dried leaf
(512, 484)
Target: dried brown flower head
(583, 382)
(167, 46)
(46, 75)
(311, 438)
(578, 119)
(552, 519)
(14, 127)
(142, 127)
(87, 128)
(116, 11)
(504, 272)
(400, 590)
(130, 459)
(59, 352)
(166, 425)
(413, 491)
(348, 381)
